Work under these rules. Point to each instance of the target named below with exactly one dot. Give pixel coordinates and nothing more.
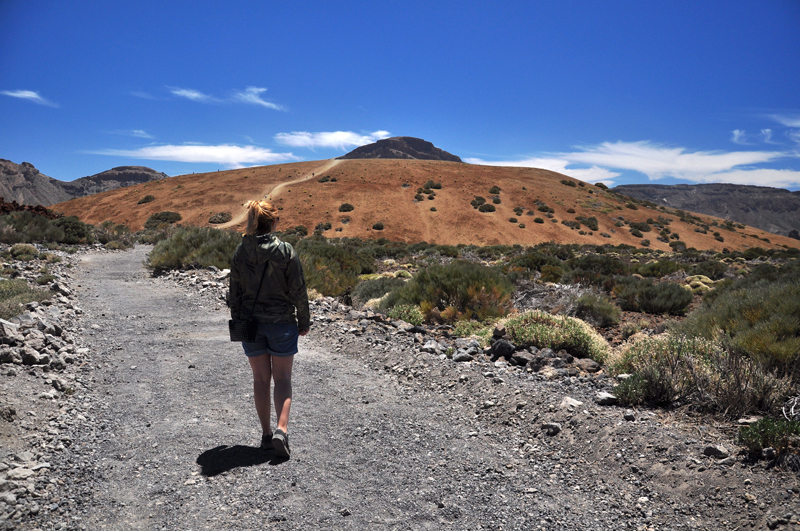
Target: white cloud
(252, 95)
(226, 154)
(136, 133)
(794, 136)
(334, 139)
(787, 120)
(191, 94)
(591, 175)
(143, 95)
(28, 95)
(658, 161)
(738, 136)
(766, 135)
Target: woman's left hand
(303, 332)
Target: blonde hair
(260, 217)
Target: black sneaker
(266, 441)
(280, 441)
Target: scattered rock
(718, 451)
(602, 398)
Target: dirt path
(382, 438)
(273, 192)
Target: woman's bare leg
(282, 374)
(262, 374)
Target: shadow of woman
(224, 458)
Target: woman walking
(280, 306)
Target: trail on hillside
(271, 193)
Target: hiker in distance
(267, 280)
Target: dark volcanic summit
(401, 147)
(24, 184)
(773, 210)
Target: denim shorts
(273, 339)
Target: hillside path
(271, 193)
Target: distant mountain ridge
(24, 184)
(401, 147)
(773, 210)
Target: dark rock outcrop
(24, 184)
(773, 210)
(401, 147)
(27, 186)
(112, 179)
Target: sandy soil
(384, 190)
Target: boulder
(9, 333)
(503, 349)
(587, 365)
(603, 398)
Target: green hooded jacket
(283, 289)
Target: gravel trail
(383, 436)
(178, 447)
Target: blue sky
(619, 92)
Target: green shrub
(712, 269)
(459, 290)
(494, 190)
(374, 289)
(377, 226)
(644, 296)
(45, 279)
(496, 200)
(448, 250)
(332, 267)
(643, 227)
(551, 273)
(538, 220)
(346, 207)
(431, 184)
(645, 243)
(597, 309)
(768, 433)
(486, 208)
(23, 249)
(478, 201)
(658, 269)
(220, 217)
(759, 316)
(15, 293)
(433, 209)
(406, 312)
(632, 206)
(542, 330)
(116, 245)
(531, 261)
(324, 179)
(194, 247)
(636, 233)
(75, 231)
(162, 218)
(146, 199)
(591, 222)
(567, 182)
(419, 197)
(601, 186)
(674, 368)
(513, 220)
(522, 225)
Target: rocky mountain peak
(401, 147)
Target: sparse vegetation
(346, 207)
(193, 247)
(597, 309)
(494, 190)
(221, 217)
(567, 182)
(15, 293)
(146, 199)
(542, 330)
(160, 219)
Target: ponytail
(260, 217)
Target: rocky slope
(774, 210)
(401, 147)
(24, 184)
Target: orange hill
(384, 190)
